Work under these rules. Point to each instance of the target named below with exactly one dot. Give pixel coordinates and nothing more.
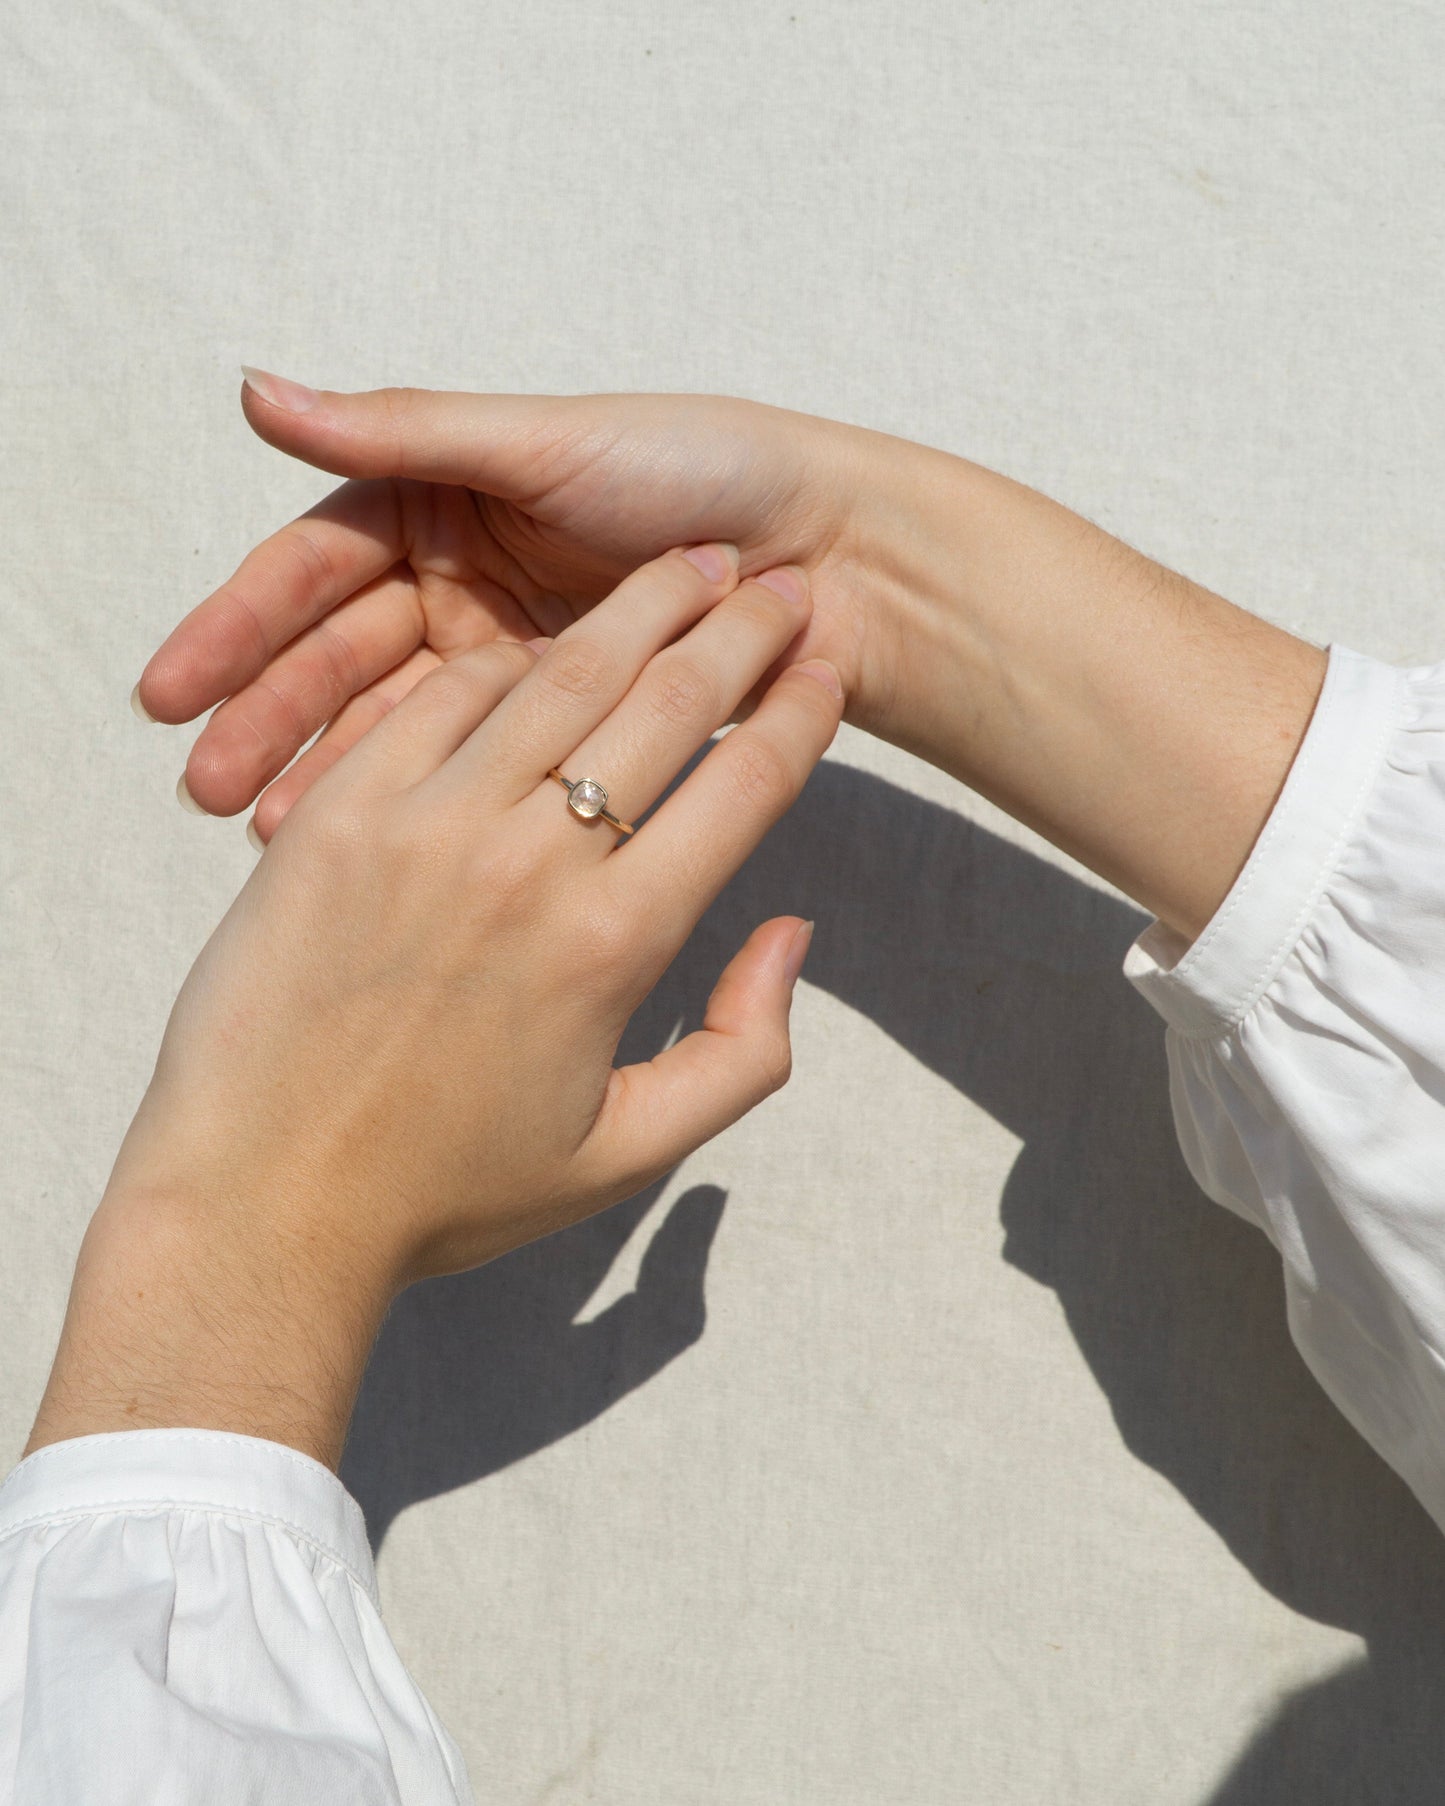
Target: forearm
(174, 1320)
(1136, 720)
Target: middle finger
(588, 669)
(689, 691)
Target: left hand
(473, 518)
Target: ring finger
(688, 691)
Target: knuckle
(496, 666)
(337, 831)
(241, 628)
(452, 687)
(315, 562)
(396, 408)
(760, 774)
(775, 1062)
(338, 673)
(580, 669)
(280, 704)
(683, 691)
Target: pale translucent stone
(588, 798)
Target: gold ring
(587, 798)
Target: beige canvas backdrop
(927, 1438)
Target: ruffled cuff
(1204, 988)
(216, 1471)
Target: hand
(475, 518)
(1135, 719)
(394, 1056)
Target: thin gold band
(624, 827)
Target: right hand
(394, 1057)
(410, 1012)
(473, 518)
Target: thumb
(659, 1111)
(503, 444)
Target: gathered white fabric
(1306, 1048)
(188, 1615)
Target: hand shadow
(474, 1371)
(1001, 973)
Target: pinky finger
(349, 725)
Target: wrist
(896, 555)
(1138, 721)
(182, 1316)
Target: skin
(394, 1056)
(435, 1108)
(1138, 721)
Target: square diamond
(588, 798)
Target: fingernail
(280, 391)
(823, 673)
(254, 838)
(185, 799)
(138, 708)
(539, 645)
(716, 562)
(798, 952)
(789, 581)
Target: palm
(390, 575)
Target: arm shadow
(1001, 973)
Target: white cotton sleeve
(188, 1616)
(1306, 1050)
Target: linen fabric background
(928, 1437)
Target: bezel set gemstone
(587, 797)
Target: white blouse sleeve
(186, 1616)
(1306, 1050)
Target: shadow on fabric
(1002, 974)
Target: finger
(506, 445)
(434, 718)
(257, 732)
(280, 587)
(751, 778)
(658, 1112)
(689, 690)
(590, 667)
(358, 717)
